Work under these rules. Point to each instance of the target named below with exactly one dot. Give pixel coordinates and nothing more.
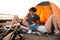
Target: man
(32, 17)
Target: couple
(31, 22)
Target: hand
(23, 21)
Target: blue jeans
(33, 27)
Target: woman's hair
(33, 9)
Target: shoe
(29, 31)
(36, 33)
(56, 32)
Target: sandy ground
(42, 37)
(36, 37)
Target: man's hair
(33, 9)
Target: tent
(45, 9)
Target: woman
(52, 20)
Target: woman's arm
(25, 18)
